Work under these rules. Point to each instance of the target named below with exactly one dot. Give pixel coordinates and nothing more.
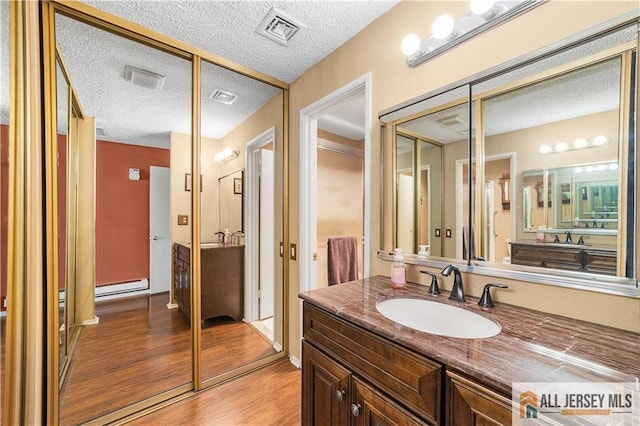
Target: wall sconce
(227, 155)
(447, 33)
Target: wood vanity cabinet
(182, 278)
(469, 403)
(222, 281)
(572, 258)
(353, 377)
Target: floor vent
(279, 27)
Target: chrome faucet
(457, 292)
(568, 240)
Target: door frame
(252, 225)
(162, 169)
(308, 176)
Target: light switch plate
(447, 233)
(183, 219)
(293, 255)
(438, 232)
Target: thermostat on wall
(134, 174)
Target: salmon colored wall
(4, 201)
(122, 210)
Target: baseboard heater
(116, 290)
(113, 291)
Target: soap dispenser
(398, 270)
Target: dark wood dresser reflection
(222, 280)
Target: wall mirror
(552, 154)
(242, 324)
(138, 304)
(431, 149)
(125, 338)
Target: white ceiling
(96, 59)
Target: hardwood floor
(270, 396)
(140, 348)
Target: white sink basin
(438, 318)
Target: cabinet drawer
(393, 369)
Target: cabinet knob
(340, 395)
(355, 409)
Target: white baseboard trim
(277, 346)
(3, 314)
(93, 321)
(172, 305)
(295, 361)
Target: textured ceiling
(228, 28)
(130, 114)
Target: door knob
(155, 237)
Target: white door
(159, 230)
(267, 234)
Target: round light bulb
(480, 7)
(600, 140)
(545, 149)
(578, 170)
(580, 143)
(562, 147)
(410, 44)
(442, 27)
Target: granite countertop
(532, 346)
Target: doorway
(260, 236)
(310, 125)
(159, 229)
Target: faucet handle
(434, 289)
(485, 300)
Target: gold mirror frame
(25, 16)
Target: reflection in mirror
(63, 116)
(431, 182)
(4, 171)
(240, 299)
(561, 122)
(556, 140)
(128, 334)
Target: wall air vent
(279, 27)
(222, 96)
(100, 131)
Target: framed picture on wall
(237, 185)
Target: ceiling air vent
(279, 27)
(222, 96)
(451, 120)
(100, 131)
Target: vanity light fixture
(448, 33)
(597, 168)
(143, 78)
(227, 155)
(580, 143)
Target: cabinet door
(469, 403)
(325, 389)
(371, 408)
